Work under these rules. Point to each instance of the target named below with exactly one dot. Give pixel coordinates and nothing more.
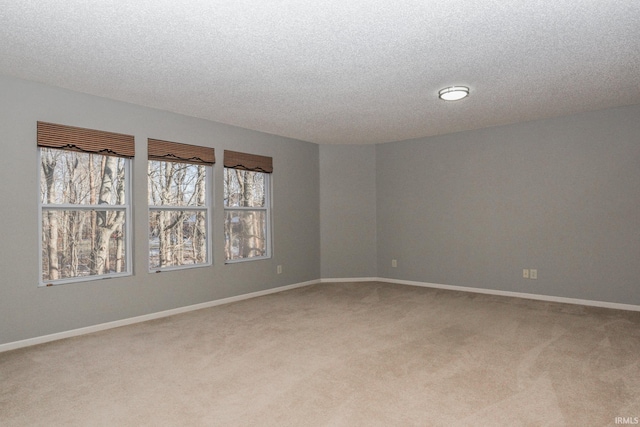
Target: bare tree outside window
(178, 214)
(84, 212)
(246, 203)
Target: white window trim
(267, 209)
(127, 226)
(208, 208)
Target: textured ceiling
(334, 71)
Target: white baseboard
(591, 303)
(179, 310)
(124, 322)
(350, 279)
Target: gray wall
(347, 211)
(469, 209)
(29, 311)
(475, 208)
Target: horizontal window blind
(177, 152)
(248, 162)
(51, 135)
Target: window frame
(266, 209)
(126, 207)
(207, 208)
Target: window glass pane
(176, 184)
(245, 234)
(79, 243)
(177, 238)
(71, 177)
(244, 188)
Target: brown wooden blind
(64, 137)
(176, 152)
(248, 162)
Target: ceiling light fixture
(453, 93)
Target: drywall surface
(475, 208)
(31, 311)
(347, 211)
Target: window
(247, 206)
(179, 215)
(84, 203)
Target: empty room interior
(320, 213)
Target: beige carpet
(355, 354)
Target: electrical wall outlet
(394, 263)
(525, 273)
(279, 269)
(533, 274)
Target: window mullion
(177, 208)
(72, 207)
(245, 208)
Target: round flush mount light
(453, 93)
